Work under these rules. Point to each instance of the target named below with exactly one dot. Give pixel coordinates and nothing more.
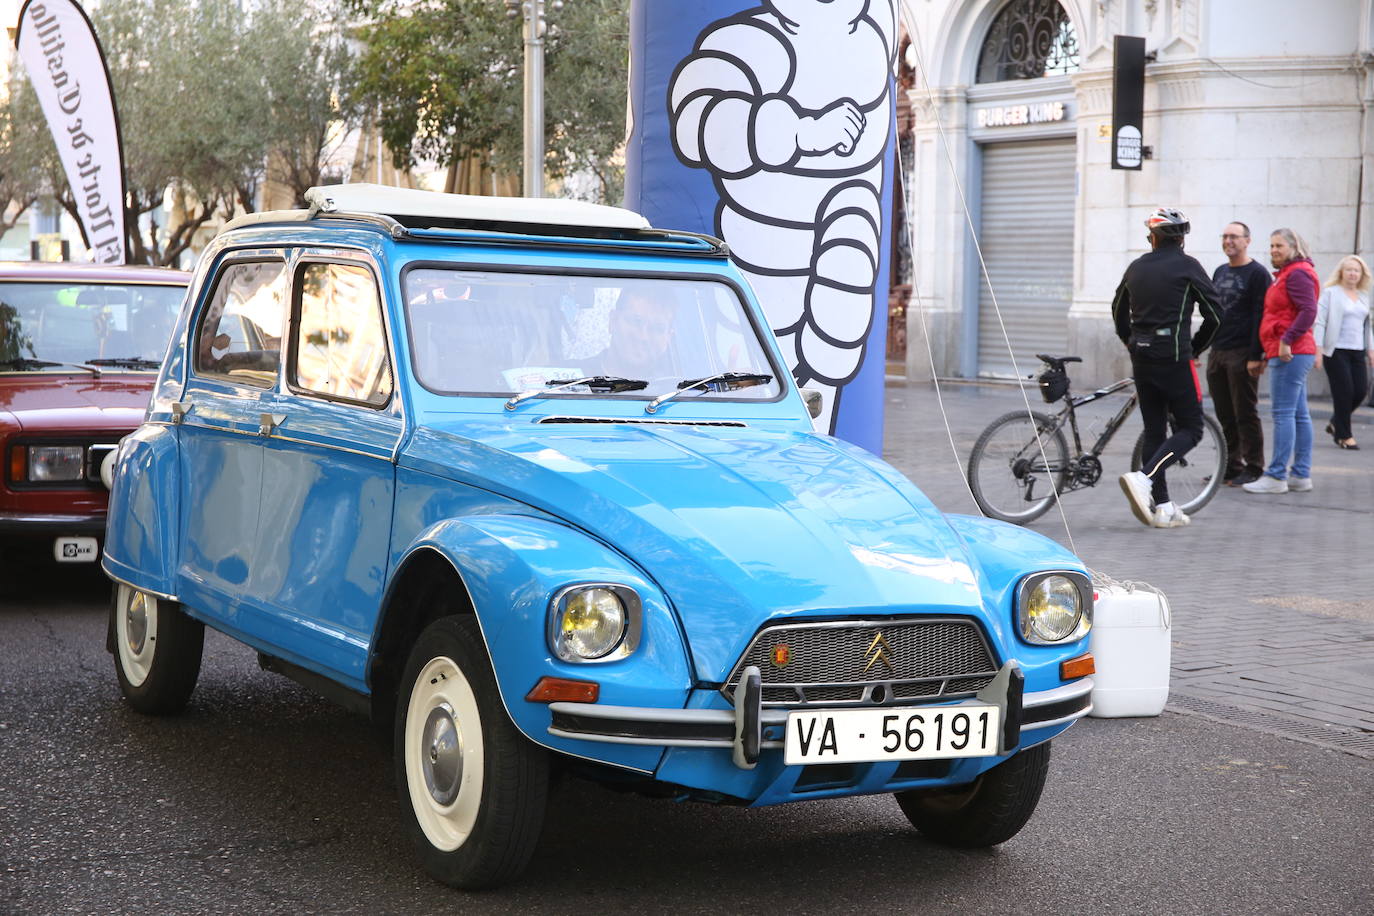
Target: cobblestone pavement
(1272, 596)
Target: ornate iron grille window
(1028, 39)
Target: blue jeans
(1292, 422)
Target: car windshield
(76, 322)
(494, 333)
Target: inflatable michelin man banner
(771, 126)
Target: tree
(445, 80)
(307, 71)
(208, 96)
(22, 154)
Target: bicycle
(1007, 467)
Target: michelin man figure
(788, 106)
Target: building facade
(1255, 110)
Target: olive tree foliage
(22, 154)
(213, 98)
(308, 71)
(444, 80)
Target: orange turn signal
(1082, 666)
(562, 690)
(19, 470)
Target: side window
(240, 332)
(340, 345)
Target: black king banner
(67, 68)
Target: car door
(323, 533)
(230, 383)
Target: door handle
(268, 422)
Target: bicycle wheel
(1009, 477)
(1196, 477)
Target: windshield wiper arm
(125, 362)
(612, 384)
(25, 364)
(724, 381)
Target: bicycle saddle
(1058, 361)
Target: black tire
(990, 810)
(475, 813)
(1196, 477)
(157, 651)
(1007, 474)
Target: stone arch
(952, 57)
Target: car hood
(58, 402)
(737, 525)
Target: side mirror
(814, 401)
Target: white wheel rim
(135, 633)
(444, 755)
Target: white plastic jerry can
(1130, 643)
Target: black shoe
(1242, 479)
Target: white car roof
(410, 202)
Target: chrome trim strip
(1072, 717)
(723, 717)
(722, 743)
(52, 520)
(325, 446)
(638, 421)
(1058, 694)
(136, 588)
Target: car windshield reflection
(510, 334)
(121, 325)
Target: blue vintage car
(530, 482)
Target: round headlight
(592, 622)
(1052, 610)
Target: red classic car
(80, 345)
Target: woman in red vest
(1290, 308)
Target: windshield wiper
(724, 381)
(126, 362)
(24, 364)
(612, 384)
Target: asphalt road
(264, 799)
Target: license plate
(868, 735)
(76, 550)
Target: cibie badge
(782, 654)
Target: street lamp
(533, 13)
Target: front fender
(512, 566)
(140, 535)
(1006, 554)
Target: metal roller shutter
(1027, 239)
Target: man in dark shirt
(1153, 312)
(1237, 359)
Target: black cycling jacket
(1153, 306)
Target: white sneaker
(1267, 484)
(1299, 484)
(1169, 515)
(1137, 488)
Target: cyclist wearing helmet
(1153, 311)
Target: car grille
(868, 662)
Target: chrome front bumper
(750, 727)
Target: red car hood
(53, 402)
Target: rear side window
(240, 333)
(340, 347)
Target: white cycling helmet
(1168, 221)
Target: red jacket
(1290, 308)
